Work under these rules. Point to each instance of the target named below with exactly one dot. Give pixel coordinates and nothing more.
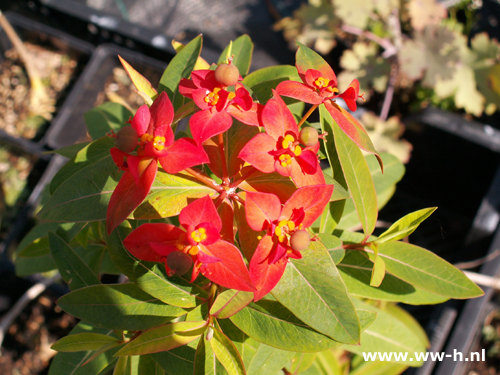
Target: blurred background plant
(406, 54)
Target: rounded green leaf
(83, 342)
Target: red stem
(251, 171)
(225, 175)
(205, 179)
(220, 198)
(306, 116)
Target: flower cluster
(207, 241)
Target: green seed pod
(300, 240)
(179, 262)
(308, 136)
(227, 75)
(126, 139)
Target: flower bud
(308, 136)
(179, 262)
(227, 75)
(126, 139)
(300, 240)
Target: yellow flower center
(283, 228)
(193, 250)
(285, 160)
(199, 235)
(288, 141)
(146, 138)
(212, 97)
(321, 82)
(159, 143)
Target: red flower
(155, 144)
(217, 105)
(264, 212)
(198, 243)
(318, 86)
(278, 149)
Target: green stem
(306, 116)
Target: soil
(56, 66)
(26, 346)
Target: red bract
(217, 105)
(156, 144)
(318, 86)
(278, 149)
(264, 212)
(218, 260)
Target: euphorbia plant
(234, 241)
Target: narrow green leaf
(107, 117)
(83, 342)
(230, 302)
(269, 361)
(121, 366)
(301, 362)
(226, 353)
(426, 270)
(387, 335)
(163, 338)
(169, 195)
(72, 363)
(178, 361)
(272, 324)
(205, 361)
(409, 321)
(38, 248)
(359, 180)
(378, 271)
(71, 151)
(150, 277)
(85, 195)
(242, 49)
(405, 226)
(71, 267)
(179, 67)
(121, 307)
(315, 279)
(141, 83)
(356, 270)
(148, 366)
(263, 80)
(333, 245)
(89, 155)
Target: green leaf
(359, 180)
(89, 155)
(72, 363)
(169, 195)
(142, 85)
(205, 361)
(301, 362)
(407, 319)
(226, 353)
(121, 366)
(71, 267)
(83, 342)
(230, 302)
(387, 335)
(378, 271)
(178, 361)
(241, 49)
(306, 57)
(150, 277)
(163, 338)
(405, 226)
(263, 80)
(38, 248)
(107, 117)
(85, 195)
(333, 245)
(315, 279)
(356, 270)
(272, 324)
(71, 151)
(148, 366)
(273, 183)
(426, 270)
(179, 67)
(121, 307)
(269, 361)
(384, 186)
